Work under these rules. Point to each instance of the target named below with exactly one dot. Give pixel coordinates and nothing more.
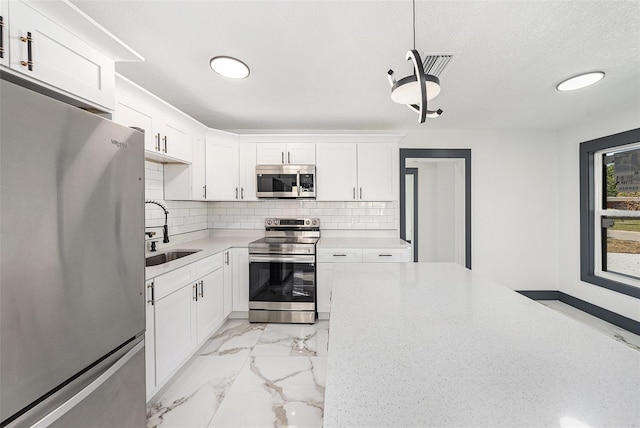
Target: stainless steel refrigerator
(71, 266)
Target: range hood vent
(435, 64)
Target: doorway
(435, 204)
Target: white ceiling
(321, 65)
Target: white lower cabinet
(209, 304)
(228, 284)
(184, 307)
(328, 257)
(150, 341)
(240, 266)
(174, 326)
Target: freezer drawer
(112, 395)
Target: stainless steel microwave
(286, 181)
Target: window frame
(590, 211)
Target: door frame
(439, 154)
(414, 241)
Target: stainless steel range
(282, 272)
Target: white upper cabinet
(336, 172)
(56, 49)
(247, 173)
(130, 113)
(377, 172)
(222, 167)
(357, 171)
(168, 131)
(286, 153)
(4, 33)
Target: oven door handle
(276, 258)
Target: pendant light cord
(414, 24)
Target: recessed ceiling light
(229, 67)
(580, 81)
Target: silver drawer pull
(339, 255)
(385, 255)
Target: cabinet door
(58, 58)
(132, 114)
(247, 158)
(4, 33)
(175, 333)
(175, 141)
(376, 177)
(210, 301)
(198, 169)
(228, 283)
(240, 263)
(150, 342)
(222, 169)
(324, 280)
(271, 153)
(301, 153)
(336, 173)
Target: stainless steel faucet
(165, 229)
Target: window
(610, 212)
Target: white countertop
(209, 246)
(353, 242)
(417, 344)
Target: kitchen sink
(159, 259)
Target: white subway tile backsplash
(333, 215)
(194, 216)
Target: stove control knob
(269, 222)
(306, 222)
(315, 222)
(276, 221)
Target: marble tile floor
(250, 375)
(611, 330)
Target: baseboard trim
(541, 294)
(604, 314)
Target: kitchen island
(416, 344)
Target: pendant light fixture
(416, 90)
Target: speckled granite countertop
(421, 344)
(335, 242)
(209, 246)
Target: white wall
(514, 205)
(569, 209)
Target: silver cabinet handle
(202, 288)
(339, 255)
(195, 290)
(354, 193)
(226, 258)
(282, 153)
(204, 188)
(152, 299)
(385, 255)
(288, 157)
(158, 142)
(361, 193)
(236, 193)
(165, 144)
(242, 193)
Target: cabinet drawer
(339, 255)
(209, 264)
(174, 280)
(382, 255)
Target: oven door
(282, 282)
